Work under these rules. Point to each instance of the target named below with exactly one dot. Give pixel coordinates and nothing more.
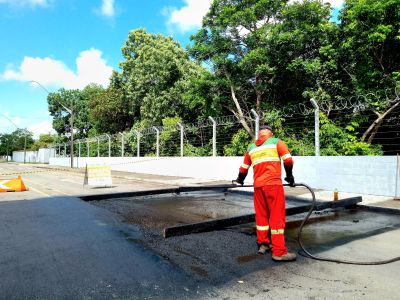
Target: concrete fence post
(157, 141)
(122, 144)
(59, 150)
(98, 147)
(109, 145)
(181, 130)
(79, 154)
(138, 142)
(257, 122)
(396, 192)
(214, 138)
(65, 149)
(316, 125)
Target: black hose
(308, 254)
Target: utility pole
(71, 122)
(25, 149)
(7, 147)
(71, 119)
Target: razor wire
(354, 104)
(198, 137)
(298, 131)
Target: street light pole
(7, 147)
(71, 122)
(25, 149)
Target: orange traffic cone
(12, 185)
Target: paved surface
(55, 246)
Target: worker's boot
(289, 256)
(263, 248)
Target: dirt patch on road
(158, 212)
(223, 255)
(211, 255)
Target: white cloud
(107, 8)
(190, 16)
(91, 68)
(25, 2)
(43, 127)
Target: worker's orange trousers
(269, 204)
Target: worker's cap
(263, 127)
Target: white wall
(41, 156)
(375, 175)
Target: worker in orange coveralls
(265, 155)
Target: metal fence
(202, 139)
(299, 127)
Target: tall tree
(155, 73)
(77, 101)
(6, 144)
(371, 31)
(261, 52)
(15, 141)
(44, 141)
(110, 111)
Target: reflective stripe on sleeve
(262, 228)
(277, 231)
(286, 156)
(244, 166)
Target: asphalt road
(55, 246)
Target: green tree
(6, 144)
(261, 53)
(239, 144)
(371, 42)
(78, 102)
(110, 112)
(15, 141)
(156, 72)
(341, 141)
(170, 137)
(44, 141)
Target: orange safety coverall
(269, 198)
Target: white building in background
(41, 156)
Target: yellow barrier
(13, 185)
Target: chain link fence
(308, 129)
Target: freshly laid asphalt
(53, 245)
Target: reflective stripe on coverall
(269, 199)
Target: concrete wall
(41, 156)
(375, 175)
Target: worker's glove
(289, 174)
(290, 180)
(241, 177)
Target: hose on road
(306, 253)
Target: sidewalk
(298, 192)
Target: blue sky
(71, 43)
